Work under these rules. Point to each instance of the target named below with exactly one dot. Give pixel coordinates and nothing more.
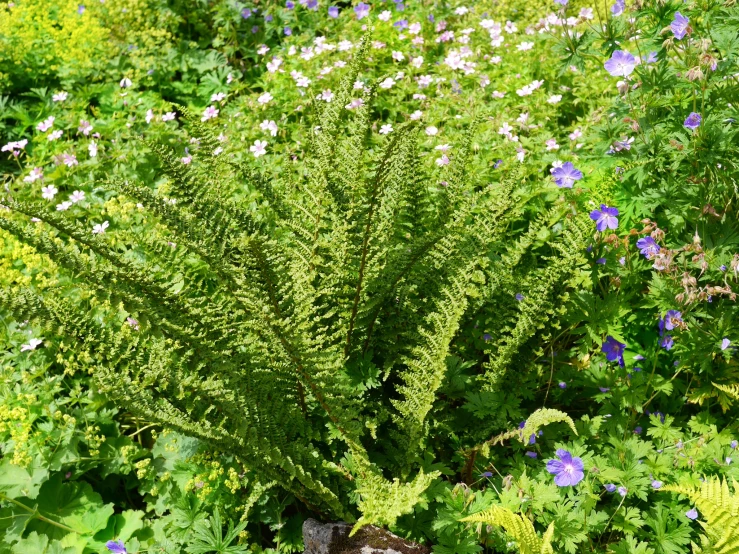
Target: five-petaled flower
(679, 25)
(605, 218)
(116, 547)
(566, 175)
(647, 246)
(621, 64)
(100, 228)
(693, 121)
(567, 470)
(362, 10)
(259, 148)
(614, 350)
(32, 345)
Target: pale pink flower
(355, 103)
(217, 97)
(398, 56)
(385, 15)
(259, 148)
(269, 125)
(149, 116)
(386, 129)
(552, 144)
(327, 95)
(76, 196)
(432, 131)
(186, 160)
(64, 206)
(36, 174)
(387, 83)
(170, 116)
(59, 96)
(92, 148)
(32, 345)
(49, 192)
(46, 124)
(54, 135)
(576, 134)
(265, 98)
(444, 160)
(70, 160)
(418, 114)
(274, 65)
(85, 127)
(209, 113)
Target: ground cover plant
(465, 271)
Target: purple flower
(618, 8)
(673, 319)
(333, 12)
(667, 343)
(647, 246)
(562, 385)
(288, 31)
(312, 4)
(614, 350)
(679, 25)
(622, 491)
(531, 454)
(268, 18)
(362, 10)
(610, 487)
(637, 430)
(725, 343)
(604, 389)
(621, 64)
(561, 2)
(657, 484)
(601, 261)
(566, 175)
(116, 547)
(693, 121)
(734, 444)
(486, 337)
(81, 9)
(496, 165)
(605, 218)
(401, 24)
(567, 471)
(651, 57)
(486, 474)
(520, 297)
(692, 514)
(289, 4)
(246, 13)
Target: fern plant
(252, 330)
(519, 527)
(720, 509)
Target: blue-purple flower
(673, 319)
(610, 487)
(531, 454)
(725, 343)
(561, 2)
(401, 24)
(693, 121)
(362, 10)
(657, 484)
(614, 350)
(562, 385)
(289, 4)
(618, 8)
(81, 9)
(679, 25)
(116, 547)
(622, 491)
(621, 64)
(605, 218)
(566, 175)
(667, 342)
(333, 12)
(647, 246)
(651, 57)
(692, 514)
(567, 470)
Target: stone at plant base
(333, 538)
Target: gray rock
(333, 538)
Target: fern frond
(519, 527)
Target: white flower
(418, 114)
(524, 46)
(36, 174)
(49, 192)
(186, 160)
(301, 82)
(431, 131)
(443, 148)
(54, 135)
(444, 160)
(398, 56)
(263, 49)
(510, 27)
(209, 113)
(523, 119)
(125, 82)
(92, 148)
(265, 98)
(269, 125)
(217, 97)
(520, 153)
(327, 95)
(46, 124)
(576, 134)
(385, 15)
(552, 144)
(14, 146)
(100, 228)
(461, 10)
(586, 13)
(259, 148)
(59, 96)
(497, 94)
(169, 116)
(386, 129)
(63, 206)
(32, 345)
(387, 83)
(417, 61)
(149, 116)
(505, 129)
(554, 98)
(274, 65)
(414, 28)
(217, 151)
(76, 196)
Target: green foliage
(519, 527)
